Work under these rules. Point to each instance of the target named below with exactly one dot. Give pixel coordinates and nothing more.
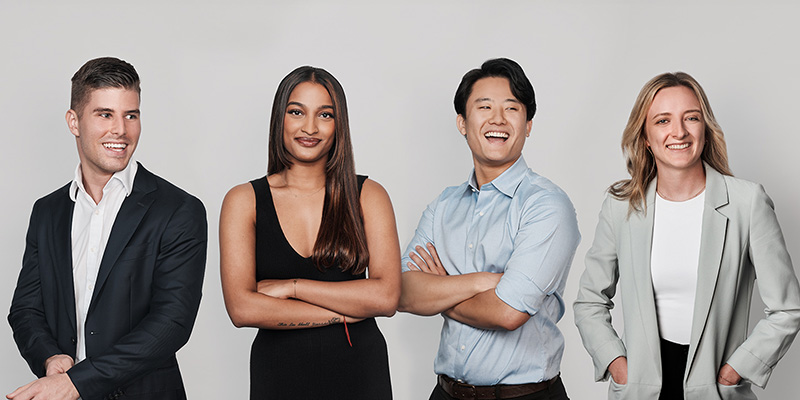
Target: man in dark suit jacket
(114, 261)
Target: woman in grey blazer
(685, 240)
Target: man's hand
(56, 387)
(277, 288)
(728, 376)
(619, 370)
(58, 364)
(426, 260)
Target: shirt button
(93, 249)
(470, 245)
(91, 286)
(463, 347)
(97, 212)
(480, 213)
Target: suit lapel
(641, 226)
(62, 250)
(712, 243)
(128, 219)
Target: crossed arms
(303, 303)
(539, 262)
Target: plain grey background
(209, 72)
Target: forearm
(151, 345)
(26, 317)
(486, 311)
(362, 298)
(257, 310)
(592, 312)
(34, 340)
(429, 294)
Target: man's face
(106, 131)
(495, 124)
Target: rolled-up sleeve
(422, 235)
(543, 251)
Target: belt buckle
(465, 390)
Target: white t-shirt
(674, 259)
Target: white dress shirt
(91, 227)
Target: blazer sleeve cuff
(604, 355)
(750, 367)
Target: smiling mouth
(115, 146)
(678, 146)
(496, 135)
(308, 142)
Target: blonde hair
(638, 157)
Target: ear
(72, 122)
(528, 127)
(461, 124)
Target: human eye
(326, 115)
(105, 115)
(294, 111)
(661, 121)
(694, 118)
(131, 116)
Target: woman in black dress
(294, 250)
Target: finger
(19, 390)
(437, 262)
(412, 266)
(427, 257)
(420, 262)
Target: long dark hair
(341, 236)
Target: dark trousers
(556, 391)
(673, 367)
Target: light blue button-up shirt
(524, 226)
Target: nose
(497, 116)
(680, 130)
(118, 126)
(310, 126)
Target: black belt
(464, 391)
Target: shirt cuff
(519, 292)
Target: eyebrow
(513, 100)
(669, 113)
(103, 109)
(299, 104)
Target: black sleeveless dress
(310, 363)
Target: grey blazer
(741, 240)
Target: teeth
(678, 146)
(115, 145)
(502, 135)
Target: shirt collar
(126, 177)
(508, 181)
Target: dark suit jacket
(143, 305)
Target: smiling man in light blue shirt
(492, 255)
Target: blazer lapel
(130, 215)
(712, 243)
(641, 232)
(61, 245)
